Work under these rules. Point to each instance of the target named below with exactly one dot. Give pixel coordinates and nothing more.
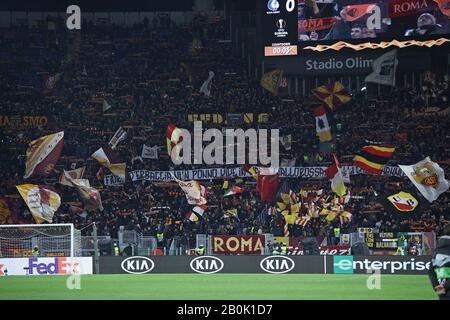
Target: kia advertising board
(265, 264)
(45, 266)
(212, 264)
(277, 264)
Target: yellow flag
(271, 80)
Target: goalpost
(51, 240)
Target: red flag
(268, 187)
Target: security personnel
(319, 157)
(305, 159)
(439, 272)
(400, 251)
(116, 249)
(35, 252)
(200, 251)
(339, 130)
(276, 250)
(284, 249)
(160, 237)
(337, 233)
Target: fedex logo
(58, 266)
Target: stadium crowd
(150, 76)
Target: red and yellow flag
(333, 95)
(41, 200)
(42, 155)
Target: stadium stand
(150, 75)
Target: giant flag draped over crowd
(333, 95)
(334, 174)
(372, 159)
(428, 177)
(42, 155)
(322, 127)
(41, 200)
(109, 159)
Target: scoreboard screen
(290, 24)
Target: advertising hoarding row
(266, 264)
(45, 266)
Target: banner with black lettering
(239, 172)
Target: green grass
(217, 287)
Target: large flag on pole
(105, 105)
(233, 190)
(90, 196)
(108, 158)
(323, 129)
(173, 137)
(428, 177)
(74, 174)
(384, 69)
(197, 213)
(267, 185)
(206, 86)
(334, 174)
(41, 200)
(42, 154)
(194, 191)
(271, 81)
(372, 159)
(50, 82)
(119, 136)
(333, 95)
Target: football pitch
(217, 287)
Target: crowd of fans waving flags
(298, 207)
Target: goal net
(47, 240)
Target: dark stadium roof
(117, 5)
